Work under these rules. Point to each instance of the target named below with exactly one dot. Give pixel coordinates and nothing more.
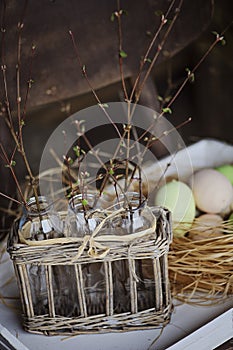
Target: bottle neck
(78, 220)
(82, 204)
(37, 208)
(131, 201)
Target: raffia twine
(201, 270)
(94, 242)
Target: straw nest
(202, 269)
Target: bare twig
(9, 121)
(121, 53)
(17, 134)
(84, 72)
(146, 56)
(10, 165)
(109, 174)
(218, 39)
(10, 198)
(159, 49)
(29, 85)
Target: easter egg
(226, 170)
(230, 224)
(177, 197)
(212, 191)
(206, 226)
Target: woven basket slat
(109, 288)
(26, 290)
(165, 275)
(84, 305)
(158, 290)
(81, 297)
(21, 293)
(133, 286)
(49, 285)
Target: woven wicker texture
(95, 284)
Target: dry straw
(202, 269)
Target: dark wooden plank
(55, 69)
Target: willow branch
(118, 15)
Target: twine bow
(93, 245)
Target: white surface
(185, 319)
(209, 336)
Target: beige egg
(206, 226)
(226, 212)
(231, 206)
(212, 191)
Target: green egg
(230, 219)
(230, 222)
(226, 170)
(177, 197)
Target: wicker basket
(56, 297)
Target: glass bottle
(136, 217)
(81, 222)
(40, 221)
(78, 221)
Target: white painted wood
(210, 335)
(12, 340)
